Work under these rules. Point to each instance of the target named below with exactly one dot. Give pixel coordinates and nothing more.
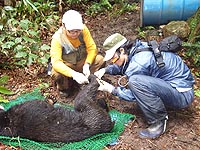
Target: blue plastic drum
(157, 12)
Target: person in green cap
(153, 88)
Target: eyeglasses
(74, 31)
(116, 57)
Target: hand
(100, 73)
(86, 70)
(105, 86)
(79, 77)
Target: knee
(139, 82)
(98, 63)
(136, 79)
(99, 58)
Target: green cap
(112, 43)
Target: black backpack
(169, 44)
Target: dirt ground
(183, 128)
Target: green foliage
(43, 85)
(122, 7)
(2, 100)
(193, 44)
(143, 32)
(95, 8)
(194, 23)
(21, 30)
(197, 92)
(23, 26)
(4, 90)
(192, 52)
(197, 74)
(3, 81)
(99, 6)
(71, 2)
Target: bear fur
(40, 121)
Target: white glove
(105, 86)
(79, 77)
(86, 70)
(100, 73)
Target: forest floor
(183, 127)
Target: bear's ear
(103, 104)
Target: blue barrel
(157, 12)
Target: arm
(56, 59)
(90, 46)
(110, 69)
(123, 93)
(113, 69)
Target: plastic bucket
(157, 12)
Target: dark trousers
(154, 95)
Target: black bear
(40, 121)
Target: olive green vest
(69, 53)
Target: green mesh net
(96, 142)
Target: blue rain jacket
(175, 71)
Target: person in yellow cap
(73, 53)
(153, 88)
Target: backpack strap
(134, 49)
(153, 46)
(157, 54)
(142, 49)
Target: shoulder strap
(80, 37)
(142, 49)
(158, 56)
(135, 48)
(153, 46)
